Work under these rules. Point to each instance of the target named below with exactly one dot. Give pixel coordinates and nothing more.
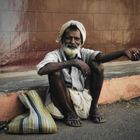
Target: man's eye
(68, 38)
(75, 38)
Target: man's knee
(97, 67)
(56, 74)
(101, 68)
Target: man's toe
(74, 122)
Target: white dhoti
(81, 102)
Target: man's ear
(81, 38)
(62, 39)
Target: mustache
(72, 46)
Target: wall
(28, 28)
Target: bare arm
(132, 54)
(56, 66)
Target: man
(76, 76)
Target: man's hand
(133, 54)
(85, 69)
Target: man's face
(72, 43)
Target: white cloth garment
(79, 25)
(81, 102)
(75, 78)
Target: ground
(123, 123)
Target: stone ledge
(120, 88)
(113, 90)
(121, 82)
(29, 79)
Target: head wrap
(79, 25)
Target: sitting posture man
(76, 75)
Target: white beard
(71, 53)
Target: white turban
(79, 25)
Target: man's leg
(61, 99)
(96, 82)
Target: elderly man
(76, 76)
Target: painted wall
(28, 28)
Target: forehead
(73, 33)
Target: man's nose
(73, 40)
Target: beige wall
(28, 28)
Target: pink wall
(28, 28)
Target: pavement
(123, 123)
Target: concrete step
(29, 79)
(122, 81)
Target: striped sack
(36, 120)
